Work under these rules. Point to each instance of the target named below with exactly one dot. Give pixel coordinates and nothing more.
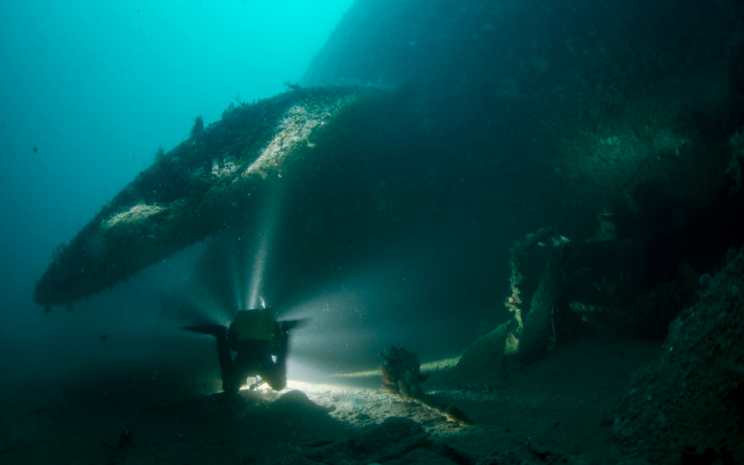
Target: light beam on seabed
(338, 335)
(345, 403)
(309, 374)
(315, 354)
(428, 367)
(352, 403)
(315, 345)
(326, 331)
(267, 228)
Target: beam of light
(324, 305)
(236, 272)
(233, 267)
(339, 398)
(428, 367)
(268, 226)
(339, 334)
(343, 402)
(259, 269)
(314, 389)
(323, 352)
(194, 304)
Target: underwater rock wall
(694, 395)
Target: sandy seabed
(558, 410)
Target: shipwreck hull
(217, 175)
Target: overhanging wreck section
(192, 191)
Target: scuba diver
(256, 338)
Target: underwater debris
(401, 377)
(532, 333)
(400, 373)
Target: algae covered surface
(193, 191)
